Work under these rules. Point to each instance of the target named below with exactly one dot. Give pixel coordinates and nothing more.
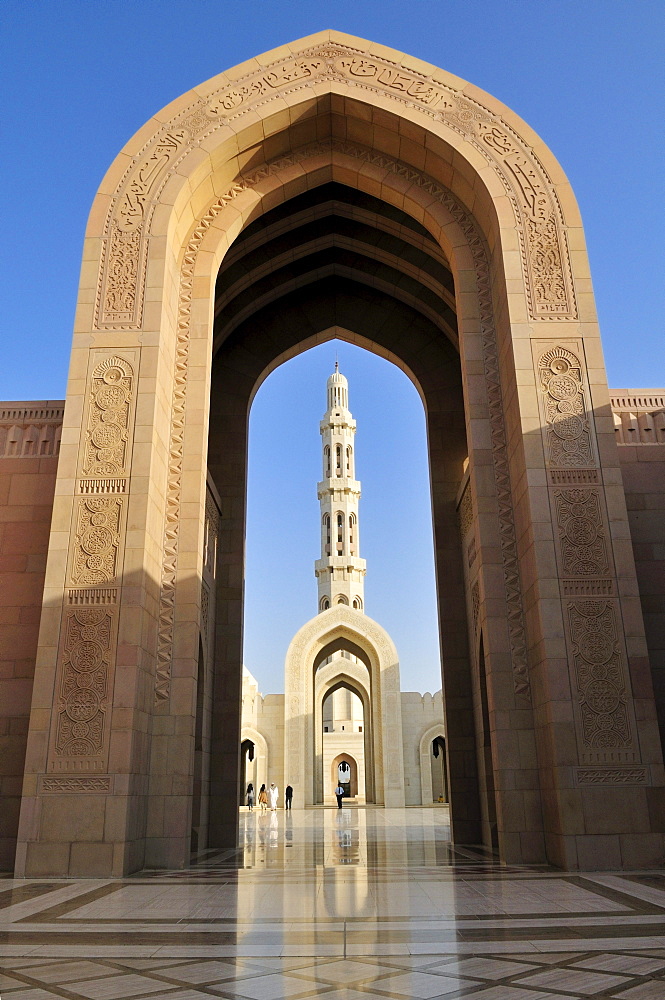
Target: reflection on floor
(347, 905)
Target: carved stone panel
(538, 215)
(465, 511)
(568, 432)
(80, 742)
(606, 732)
(97, 540)
(108, 421)
(581, 532)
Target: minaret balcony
(335, 485)
(350, 563)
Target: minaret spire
(340, 571)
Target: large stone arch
(377, 684)
(572, 752)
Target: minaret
(340, 572)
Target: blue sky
(80, 76)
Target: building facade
(332, 188)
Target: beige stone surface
(520, 590)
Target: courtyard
(349, 904)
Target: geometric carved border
(612, 775)
(100, 784)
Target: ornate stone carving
(573, 477)
(96, 783)
(600, 682)
(611, 775)
(538, 214)
(123, 272)
(210, 537)
(205, 609)
(83, 685)
(465, 511)
(562, 387)
(515, 612)
(93, 596)
(581, 533)
(108, 419)
(475, 605)
(102, 486)
(588, 588)
(97, 540)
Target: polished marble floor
(348, 905)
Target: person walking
(274, 795)
(250, 796)
(263, 798)
(339, 792)
(288, 796)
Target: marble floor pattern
(347, 905)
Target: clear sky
(80, 76)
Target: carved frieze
(121, 304)
(83, 687)
(600, 682)
(539, 219)
(205, 614)
(568, 433)
(475, 605)
(107, 430)
(465, 512)
(30, 431)
(97, 540)
(91, 783)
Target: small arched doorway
(438, 770)
(344, 771)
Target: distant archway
(354, 774)
(313, 670)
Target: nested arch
(335, 676)
(312, 669)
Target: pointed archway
(521, 444)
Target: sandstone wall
(29, 444)
(639, 420)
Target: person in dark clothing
(339, 792)
(288, 796)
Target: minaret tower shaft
(340, 572)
